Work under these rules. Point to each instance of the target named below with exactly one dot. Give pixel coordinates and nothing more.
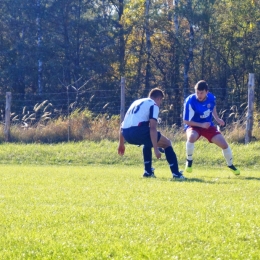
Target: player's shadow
(186, 180)
(205, 179)
(249, 178)
(199, 180)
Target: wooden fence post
(122, 109)
(250, 116)
(7, 116)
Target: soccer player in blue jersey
(197, 117)
(140, 128)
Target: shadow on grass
(205, 179)
(214, 181)
(249, 178)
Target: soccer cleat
(188, 166)
(178, 176)
(149, 175)
(234, 169)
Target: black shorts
(139, 135)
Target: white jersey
(140, 112)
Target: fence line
(32, 107)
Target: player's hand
(205, 125)
(121, 149)
(221, 122)
(157, 153)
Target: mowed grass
(111, 212)
(105, 153)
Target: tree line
(74, 46)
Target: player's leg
(147, 156)
(220, 141)
(192, 137)
(141, 136)
(171, 157)
(144, 137)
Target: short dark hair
(156, 93)
(202, 85)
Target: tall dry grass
(236, 123)
(80, 125)
(83, 125)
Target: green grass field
(74, 201)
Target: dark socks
(189, 163)
(147, 154)
(172, 159)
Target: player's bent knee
(164, 142)
(224, 147)
(168, 143)
(192, 140)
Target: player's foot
(188, 166)
(149, 174)
(178, 176)
(234, 169)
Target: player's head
(201, 90)
(157, 95)
(201, 85)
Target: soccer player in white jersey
(140, 128)
(197, 117)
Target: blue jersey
(197, 111)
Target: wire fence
(31, 108)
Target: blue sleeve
(188, 111)
(154, 112)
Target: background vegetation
(73, 53)
(83, 125)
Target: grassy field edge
(105, 153)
